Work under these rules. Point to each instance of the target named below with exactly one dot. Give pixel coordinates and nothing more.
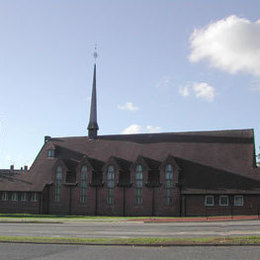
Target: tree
(258, 159)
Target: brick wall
(193, 205)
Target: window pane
(83, 184)
(24, 196)
(223, 200)
(238, 200)
(34, 196)
(51, 153)
(138, 185)
(4, 196)
(110, 184)
(14, 196)
(168, 187)
(58, 184)
(209, 200)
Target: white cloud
(201, 90)
(153, 129)
(231, 44)
(128, 106)
(184, 90)
(204, 91)
(132, 129)
(165, 82)
(136, 129)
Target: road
(62, 252)
(132, 229)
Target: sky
(162, 66)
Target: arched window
(83, 183)
(168, 188)
(138, 185)
(110, 184)
(58, 184)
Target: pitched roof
(197, 178)
(230, 151)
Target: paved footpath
(132, 229)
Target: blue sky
(163, 66)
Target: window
(83, 184)
(14, 196)
(58, 184)
(34, 196)
(223, 200)
(238, 200)
(51, 153)
(209, 200)
(110, 184)
(168, 188)
(139, 185)
(4, 196)
(24, 196)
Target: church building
(161, 174)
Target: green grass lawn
(37, 218)
(136, 241)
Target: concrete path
(132, 229)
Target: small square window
(51, 153)
(238, 200)
(223, 200)
(209, 200)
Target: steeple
(93, 125)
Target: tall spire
(93, 125)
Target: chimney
(46, 138)
(25, 168)
(12, 167)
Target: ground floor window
(139, 185)
(34, 196)
(58, 184)
(110, 184)
(238, 200)
(83, 184)
(138, 196)
(223, 200)
(209, 200)
(14, 196)
(24, 196)
(4, 196)
(168, 190)
(110, 196)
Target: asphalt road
(132, 229)
(61, 252)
